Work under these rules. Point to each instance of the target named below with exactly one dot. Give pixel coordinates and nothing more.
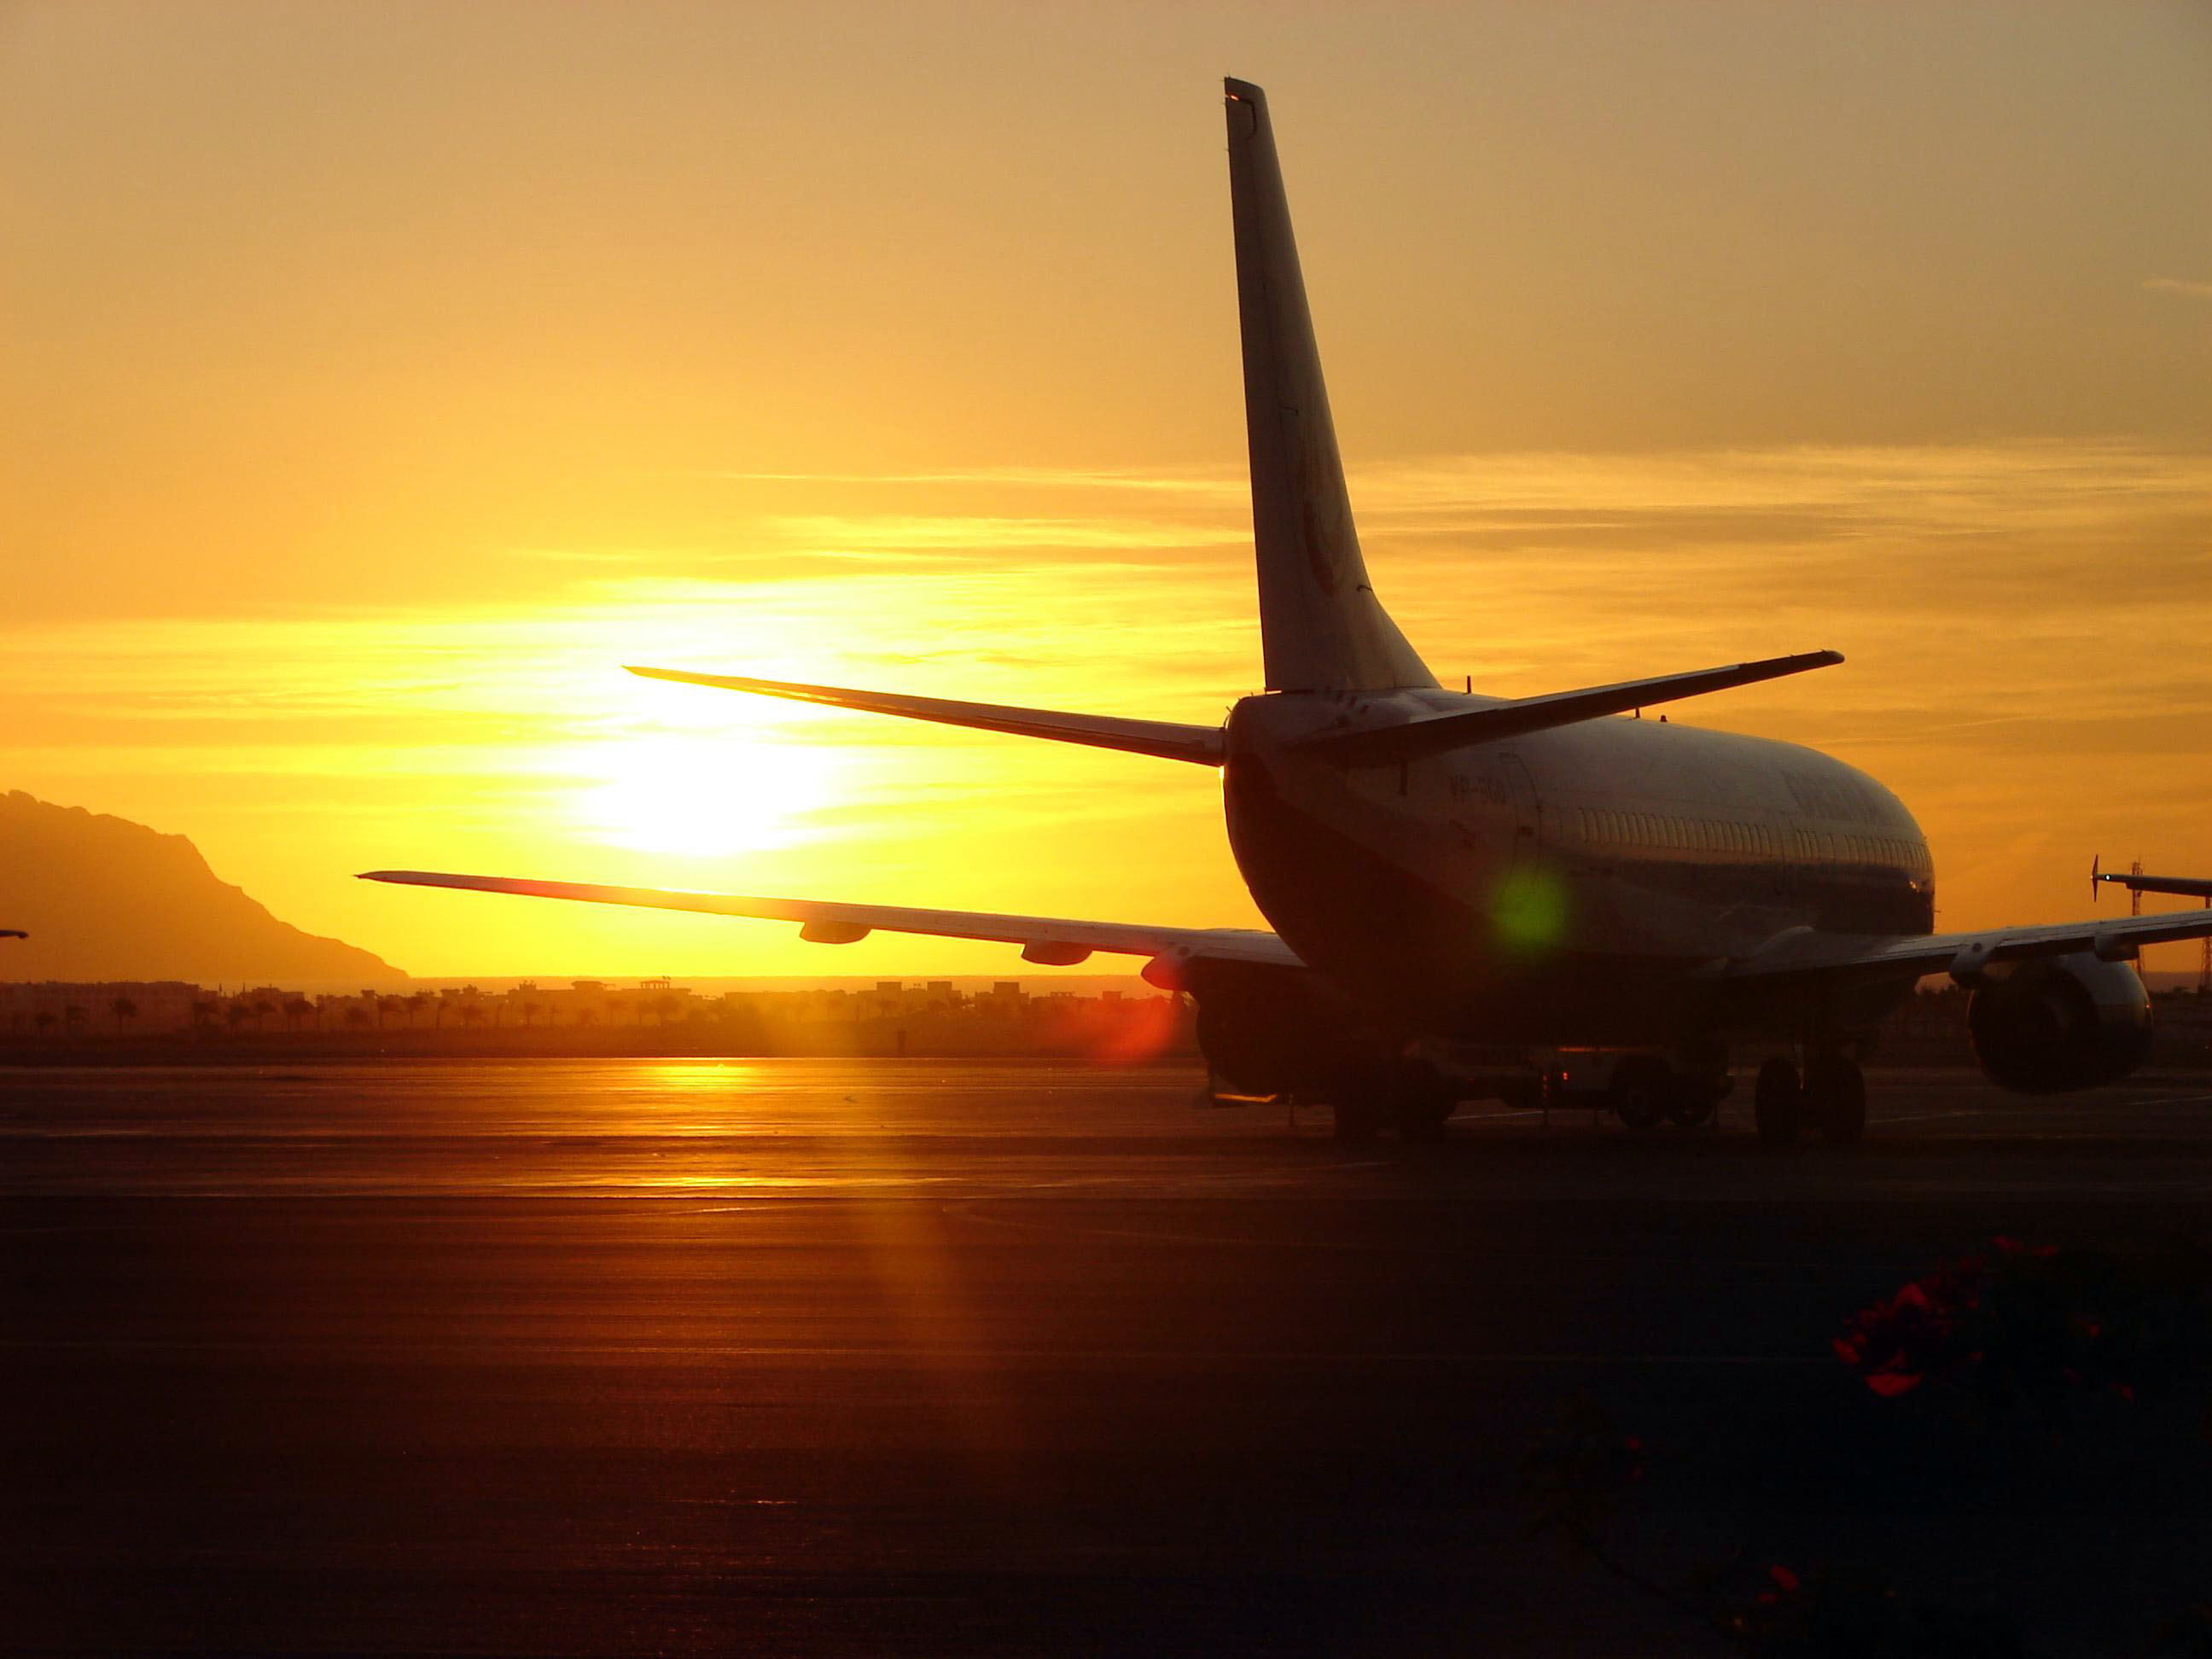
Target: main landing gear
(1412, 1097)
(1646, 1091)
(1830, 1097)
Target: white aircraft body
(1458, 880)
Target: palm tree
(261, 1009)
(529, 1009)
(388, 1006)
(203, 1014)
(663, 1005)
(236, 1015)
(471, 1014)
(416, 1003)
(72, 1016)
(122, 1008)
(297, 1009)
(44, 1019)
(355, 1015)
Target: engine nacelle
(1273, 1039)
(2059, 1022)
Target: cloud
(922, 531)
(2177, 285)
(1204, 483)
(2024, 624)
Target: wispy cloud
(1205, 484)
(984, 533)
(2177, 285)
(2025, 625)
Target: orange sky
(375, 379)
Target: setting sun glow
(700, 794)
(354, 438)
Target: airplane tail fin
(1320, 626)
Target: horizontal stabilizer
(1386, 746)
(1165, 740)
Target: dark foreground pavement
(925, 1358)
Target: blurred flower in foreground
(2043, 1327)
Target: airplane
(1450, 875)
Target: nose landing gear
(1831, 1098)
(1409, 1096)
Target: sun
(702, 795)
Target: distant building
(163, 1004)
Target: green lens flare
(1528, 911)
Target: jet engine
(2059, 1022)
(1269, 1036)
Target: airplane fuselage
(1570, 884)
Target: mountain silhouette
(104, 898)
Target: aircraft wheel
(1641, 1090)
(1778, 1102)
(1358, 1119)
(1693, 1100)
(1422, 1103)
(1422, 1118)
(1835, 1093)
(1425, 1127)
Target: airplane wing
(13, 932)
(1804, 951)
(1047, 939)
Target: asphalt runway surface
(928, 1357)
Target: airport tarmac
(924, 1357)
